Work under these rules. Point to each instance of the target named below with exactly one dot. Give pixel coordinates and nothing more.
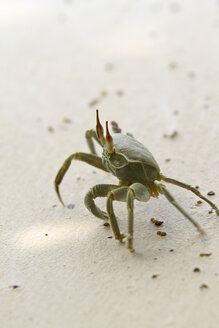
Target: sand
(153, 68)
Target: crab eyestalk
(99, 130)
(109, 140)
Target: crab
(138, 173)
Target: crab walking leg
(91, 159)
(117, 194)
(192, 189)
(126, 194)
(130, 208)
(100, 190)
(140, 192)
(170, 198)
(90, 135)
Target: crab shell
(131, 161)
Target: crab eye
(118, 161)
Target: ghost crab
(138, 173)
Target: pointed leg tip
(56, 185)
(61, 201)
(129, 241)
(201, 231)
(203, 236)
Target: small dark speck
(191, 75)
(172, 135)
(173, 65)
(154, 276)
(161, 233)
(109, 66)
(119, 92)
(167, 160)
(46, 234)
(93, 102)
(196, 270)
(198, 203)
(94, 172)
(66, 120)
(210, 212)
(103, 93)
(106, 224)
(156, 222)
(205, 254)
(203, 286)
(175, 112)
(50, 129)
(171, 250)
(14, 286)
(211, 193)
(54, 205)
(110, 237)
(196, 187)
(71, 206)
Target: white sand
(56, 57)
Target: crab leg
(140, 192)
(192, 189)
(130, 207)
(90, 135)
(91, 159)
(117, 194)
(100, 190)
(172, 200)
(126, 194)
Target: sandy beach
(151, 66)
